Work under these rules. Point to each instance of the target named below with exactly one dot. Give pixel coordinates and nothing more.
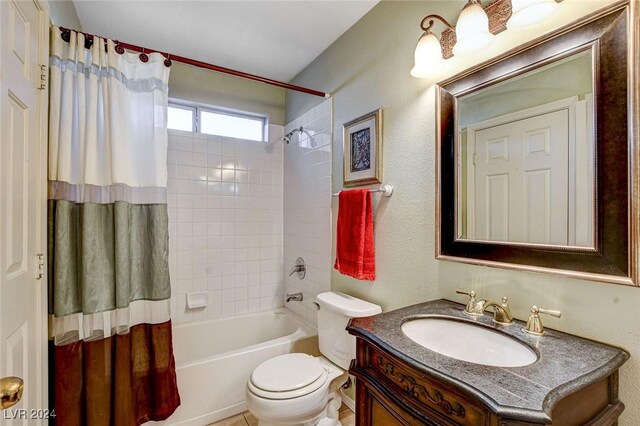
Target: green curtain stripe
(103, 256)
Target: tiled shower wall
(307, 207)
(225, 223)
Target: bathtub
(214, 360)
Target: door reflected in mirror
(526, 157)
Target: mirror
(526, 161)
(537, 155)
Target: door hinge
(40, 272)
(474, 158)
(43, 77)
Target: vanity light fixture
(429, 53)
(474, 30)
(525, 13)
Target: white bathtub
(215, 358)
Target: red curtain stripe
(124, 380)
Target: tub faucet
(501, 310)
(296, 297)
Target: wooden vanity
(574, 381)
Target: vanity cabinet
(391, 392)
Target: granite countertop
(566, 363)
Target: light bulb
(472, 29)
(427, 56)
(525, 13)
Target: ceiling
(275, 39)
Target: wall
(63, 13)
(307, 207)
(198, 85)
(368, 67)
(225, 223)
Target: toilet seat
(288, 376)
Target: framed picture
(363, 150)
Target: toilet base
(319, 408)
(328, 416)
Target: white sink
(468, 342)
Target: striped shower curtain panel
(109, 289)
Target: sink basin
(468, 342)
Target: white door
(23, 336)
(521, 180)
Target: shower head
(287, 138)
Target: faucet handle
(556, 314)
(299, 268)
(534, 324)
(471, 293)
(470, 308)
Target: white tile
(217, 213)
(213, 147)
(228, 175)
(185, 158)
(227, 161)
(214, 175)
(241, 307)
(306, 219)
(200, 145)
(214, 311)
(228, 309)
(200, 159)
(214, 160)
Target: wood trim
(400, 389)
(614, 258)
(634, 141)
(421, 395)
(42, 351)
(418, 390)
(608, 416)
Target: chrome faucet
(501, 310)
(296, 297)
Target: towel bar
(386, 190)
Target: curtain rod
(208, 66)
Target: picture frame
(362, 141)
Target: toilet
(299, 389)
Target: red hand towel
(355, 251)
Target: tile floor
(347, 418)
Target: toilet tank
(336, 344)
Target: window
(216, 121)
(181, 118)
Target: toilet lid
(287, 373)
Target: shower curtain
(109, 290)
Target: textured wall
(367, 68)
(206, 87)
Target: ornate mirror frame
(614, 257)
